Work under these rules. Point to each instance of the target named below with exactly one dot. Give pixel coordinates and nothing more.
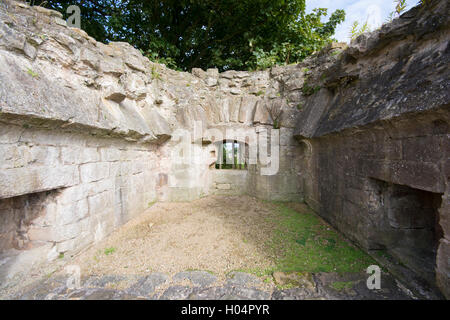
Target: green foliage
(155, 74)
(400, 7)
(356, 30)
(227, 34)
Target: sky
(374, 11)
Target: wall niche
(17, 215)
(409, 228)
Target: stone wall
(96, 126)
(89, 185)
(377, 137)
(89, 136)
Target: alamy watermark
(74, 279)
(74, 20)
(374, 280)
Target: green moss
(286, 286)
(61, 256)
(255, 271)
(342, 285)
(309, 90)
(304, 243)
(151, 203)
(260, 93)
(276, 124)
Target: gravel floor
(218, 234)
(194, 250)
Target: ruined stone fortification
(87, 132)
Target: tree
(227, 34)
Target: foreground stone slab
(245, 287)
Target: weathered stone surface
(295, 279)
(200, 278)
(92, 124)
(177, 293)
(147, 285)
(293, 294)
(18, 181)
(376, 96)
(242, 279)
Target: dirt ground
(217, 234)
(212, 238)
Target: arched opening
(232, 154)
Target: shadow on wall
(27, 228)
(409, 226)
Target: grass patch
(342, 285)
(257, 272)
(109, 251)
(302, 242)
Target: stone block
(223, 186)
(18, 181)
(110, 154)
(90, 172)
(72, 212)
(102, 202)
(443, 267)
(79, 155)
(247, 109)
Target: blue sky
(376, 11)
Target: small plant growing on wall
(155, 74)
(399, 8)
(275, 113)
(109, 251)
(32, 73)
(356, 30)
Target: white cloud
(375, 12)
